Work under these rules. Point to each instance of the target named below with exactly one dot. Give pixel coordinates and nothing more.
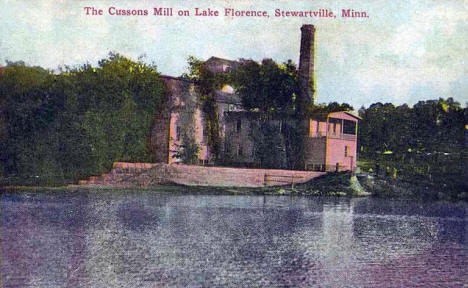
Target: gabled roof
(353, 114)
(220, 60)
(322, 116)
(347, 113)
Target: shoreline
(341, 184)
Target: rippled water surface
(145, 239)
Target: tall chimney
(306, 65)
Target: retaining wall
(146, 174)
(236, 177)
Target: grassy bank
(331, 184)
(434, 178)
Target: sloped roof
(353, 114)
(324, 115)
(220, 60)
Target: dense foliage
(429, 126)
(62, 127)
(424, 144)
(276, 148)
(272, 90)
(267, 87)
(208, 83)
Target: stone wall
(146, 175)
(315, 152)
(180, 116)
(160, 138)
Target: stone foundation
(148, 174)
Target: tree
(269, 145)
(426, 141)
(27, 113)
(124, 96)
(207, 84)
(267, 87)
(78, 122)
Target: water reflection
(42, 240)
(149, 239)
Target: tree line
(425, 145)
(432, 126)
(61, 127)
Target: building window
(349, 127)
(178, 132)
(239, 125)
(240, 152)
(333, 125)
(346, 152)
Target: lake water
(149, 239)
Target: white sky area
(404, 52)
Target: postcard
(233, 143)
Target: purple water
(149, 239)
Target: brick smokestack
(306, 65)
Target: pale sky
(404, 52)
